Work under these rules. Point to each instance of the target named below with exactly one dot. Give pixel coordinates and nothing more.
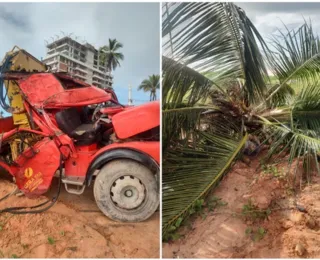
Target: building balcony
(96, 81)
(103, 69)
(80, 76)
(64, 46)
(98, 76)
(96, 84)
(51, 52)
(80, 69)
(49, 62)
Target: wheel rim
(128, 192)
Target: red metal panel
(39, 87)
(135, 120)
(150, 148)
(77, 97)
(111, 111)
(45, 90)
(35, 174)
(78, 166)
(6, 124)
(17, 130)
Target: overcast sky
(136, 25)
(267, 17)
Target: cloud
(19, 22)
(269, 17)
(136, 25)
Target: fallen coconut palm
(215, 74)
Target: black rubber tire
(113, 171)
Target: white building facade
(81, 61)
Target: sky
(268, 17)
(136, 25)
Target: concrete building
(81, 61)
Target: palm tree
(217, 95)
(151, 85)
(110, 56)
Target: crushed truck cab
(83, 130)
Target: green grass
(255, 234)
(51, 240)
(252, 212)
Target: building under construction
(81, 61)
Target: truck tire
(126, 191)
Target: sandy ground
(226, 233)
(66, 232)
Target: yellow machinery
(18, 60)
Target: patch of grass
(51, 240)
(172, 233)
(215, 202)
(62, 233)
(259, 234)
(24, 246)
(252, 212)
(197, 209)
(248, 231)
(272, 169)
(256, 234)
(14, 256)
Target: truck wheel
(126, 191)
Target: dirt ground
(65, 231)
(225, 232)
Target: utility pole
(130, 96)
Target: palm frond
(306, 108)
(178, 80)
(297, 56)
(216, 39)
(301, 111)
(284, 96)
(110, 56)
(300, 144)
(150, 85)
(179, 122)
(191, 170)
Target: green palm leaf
(301, 144)
(284, 96)
(297, 56)
(178, 122)
(216, 39)
(212, 53)
(110, 55)
(190, 171)
(151, 85)
(306, 108)
(182, 84)
(302, 112)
